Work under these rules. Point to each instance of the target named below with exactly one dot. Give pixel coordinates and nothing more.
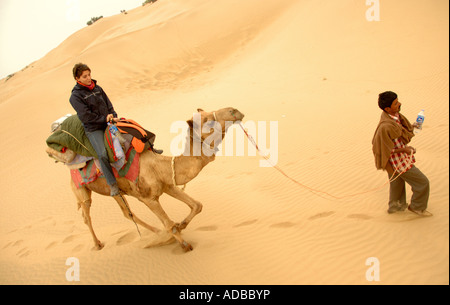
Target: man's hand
(410, 150)
(407, 150)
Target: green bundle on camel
(71, 135)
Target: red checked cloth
(400, 161)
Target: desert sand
(315, 67)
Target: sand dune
(315, 68)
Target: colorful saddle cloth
(92, 172)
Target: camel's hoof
(181, 226)
(186, 246)
(99, 246)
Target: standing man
(389, 146)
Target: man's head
(388, 102)
(82, 73)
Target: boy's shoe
(423, 213)
(114, 190)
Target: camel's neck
(195, 157)
(187, 167)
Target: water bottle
(113, 129)
(419, 121)
(115, 136)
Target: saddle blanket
(92, 171)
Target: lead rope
(318, 192)
(129, 212)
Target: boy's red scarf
(91, 87)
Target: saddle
(142, 138)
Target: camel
(160, 174)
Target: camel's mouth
(239, 116)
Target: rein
(318, 192)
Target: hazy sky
(29, 29)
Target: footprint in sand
(39, 221)
(69, 239)
(245, 223)
(157, 240)
(119, 232)
(286, 224)
(17, 243)
(359, 216)
(23, 252)
(321, 215)
(126, 239)
(207, 228)
(7, 245)
(51, 245)
(78, 248)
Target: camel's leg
(84, 201)
(131, 216)
(171, 227)
(196, 207)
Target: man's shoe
(390, 211)
(398, 207)
(157, 151)
(423, 213)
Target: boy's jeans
(96, 139)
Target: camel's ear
(200, 110)
(190, 123)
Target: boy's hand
(111, 118)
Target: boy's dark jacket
(92, 106)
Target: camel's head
(227, 114)
(222, 116)
(214, 123)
